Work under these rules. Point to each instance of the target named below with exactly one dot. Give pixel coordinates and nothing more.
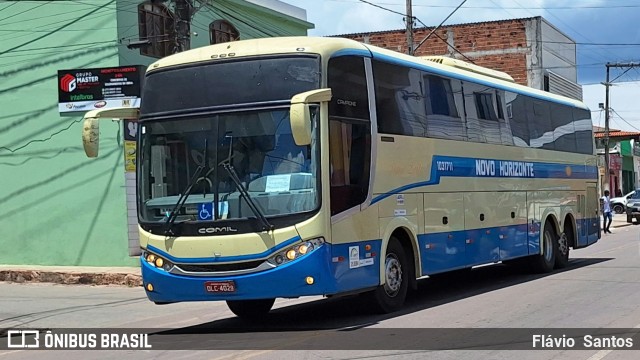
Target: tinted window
(538, 124)
(482, 120)
(228, 83)
(400, 101)
(484, 105)
(416, 103)
(349, 133)
(348, 83)
(440, 96)
(584, 130)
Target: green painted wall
(625, 148)
(58, 207)
(252, 21)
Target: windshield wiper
(245, 194)
(226, 164)
(185, 194)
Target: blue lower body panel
(286, 281)
(588, 231)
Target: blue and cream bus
(286, 167)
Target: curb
(70, 278)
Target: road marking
(10, 352)
(602, 353)
(231, 355)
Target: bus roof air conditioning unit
(463, 65)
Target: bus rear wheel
(391, 295)
(546, 261)
(250, 309)
(562, 256)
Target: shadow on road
(348, 312)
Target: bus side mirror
(91, 127)
(90, 136)
(300, 115)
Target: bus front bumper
(285, 281)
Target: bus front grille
(220, 267)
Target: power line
(56, 30)
(383, 8)
(75, 55)
(624, 72)
(443, 21)
(64, 46)
(8, 6)
(505, 7)
(100, 10)
(446, 42)
(42, 140)
(621, 118)
(22, 12)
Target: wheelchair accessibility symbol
(205, 211)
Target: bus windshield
(188, 157)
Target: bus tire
(545, 262)
(562, 255)
(390, 296)
(250, 309)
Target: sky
(605, 31)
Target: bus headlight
(157, 261)
(295, 251)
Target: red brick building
(531, 50)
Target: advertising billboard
(82, 90)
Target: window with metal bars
(156, 24)
(221, 31)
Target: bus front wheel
(250, 309)
(390, 296)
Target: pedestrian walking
(606, 212)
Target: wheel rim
(563, 244)
(548, 247)
(393, 275)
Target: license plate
(220, 286)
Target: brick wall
(498, 45)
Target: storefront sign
(82, 90)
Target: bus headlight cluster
(157, 261)
(296, 251)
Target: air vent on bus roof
(462, 65)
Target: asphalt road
(600, 289)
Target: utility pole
(183, 25)
(607, 174)
(607, 84)
(409, 21)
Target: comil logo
(68, 83)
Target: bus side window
(350, 149)
(349, 133)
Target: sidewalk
(85, 275)
(619, 220)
